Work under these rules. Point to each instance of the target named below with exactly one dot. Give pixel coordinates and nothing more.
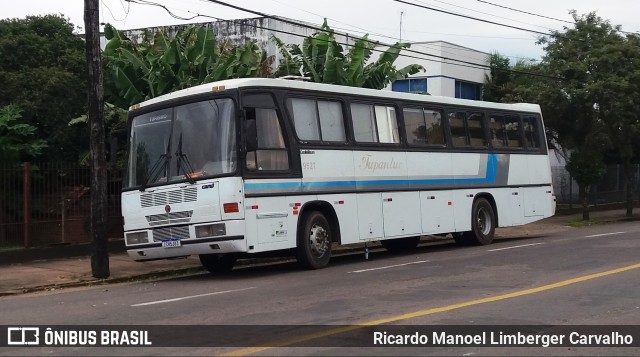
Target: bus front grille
(169, 218)
(166, 233)
(189, 194)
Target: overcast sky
(376, 17)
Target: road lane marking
(389, 266)
(515, 246)
(431, 311)
(190, 297)
(603, 234)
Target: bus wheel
(218, 263)
(314, 241)
(482, 223)
(400, 244)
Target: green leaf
(136, 61)
(79, 120)
(204, 46)
(358, 56)
(109, 32)
(127, 87)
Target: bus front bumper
(232, 244)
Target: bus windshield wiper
(162, 161)
(182, 158)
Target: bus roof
(331, 88)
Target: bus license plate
(171, 243)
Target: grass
(8, 248)
(578, 223)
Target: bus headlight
(137, 238)
(211, 230)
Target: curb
(179, 272)
(97, 282)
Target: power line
(127, 9)
(112, 16)
(481, 12)
(467, 35)
(474, 18)
(151, 3)
(546, 17)
(412, 42)
(297, 23)
(302, 24)
(475, 65)
(525, 12)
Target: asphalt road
(588, 276)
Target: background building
(444, 75)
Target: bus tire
(483, 223)
(400, 244)
(313, 250)
(218, 263)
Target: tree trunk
(584, 198)
(628, 187)
(95, 92)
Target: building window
(412, 85)
(468, 90)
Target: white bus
(240, 167)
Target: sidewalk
(53, 274)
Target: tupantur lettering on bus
(367, 163)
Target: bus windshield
(185, 142)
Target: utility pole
(95, 111)
(401, 13)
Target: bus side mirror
(250, 135)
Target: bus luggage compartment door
(369, 215)
(401, 211)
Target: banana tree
(322, 59)
(159, 64)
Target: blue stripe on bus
(490, 176)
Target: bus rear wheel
(314, 241)
(400, 244)
(218, 263)
(483, 223)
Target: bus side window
(424, 126)
(374, 124)
(317, 120)
(505, 131)
(364, 125)
(512, 131)
(531, 132)
(497, 130)
(459, 135)
(271, 154)
(387, 124)
(475, 124)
